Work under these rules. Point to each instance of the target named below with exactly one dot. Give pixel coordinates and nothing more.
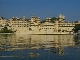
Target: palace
(34, 25)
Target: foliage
(76, 22)
(43, 21)
(2, 17)
(76, 28)
(5, 30)
(53, 19)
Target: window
(24, 26)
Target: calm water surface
(39, 47)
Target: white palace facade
(34, 25)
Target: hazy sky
(41, 8)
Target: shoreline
(7, 33)
(40, 33)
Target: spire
(32, 16)
(23, 18)
(60, 16)
(63, 17)
(13, 17)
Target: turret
(48, 19)
(61, 18)
(23, 18)
(32, 16)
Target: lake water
(39, 47)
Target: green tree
(76, 21)
(5, 30)
(76, 28)
(54, 19)
(43, 21)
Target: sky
(40, 8)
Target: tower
(61, 18)
(32, 18)
(23, 18)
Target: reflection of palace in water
(45, 42)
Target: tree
(2, 17)
(76, 22)
(5, 30)
(43, 21)
(76, 28)
(54, 19)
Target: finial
(32, 16)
